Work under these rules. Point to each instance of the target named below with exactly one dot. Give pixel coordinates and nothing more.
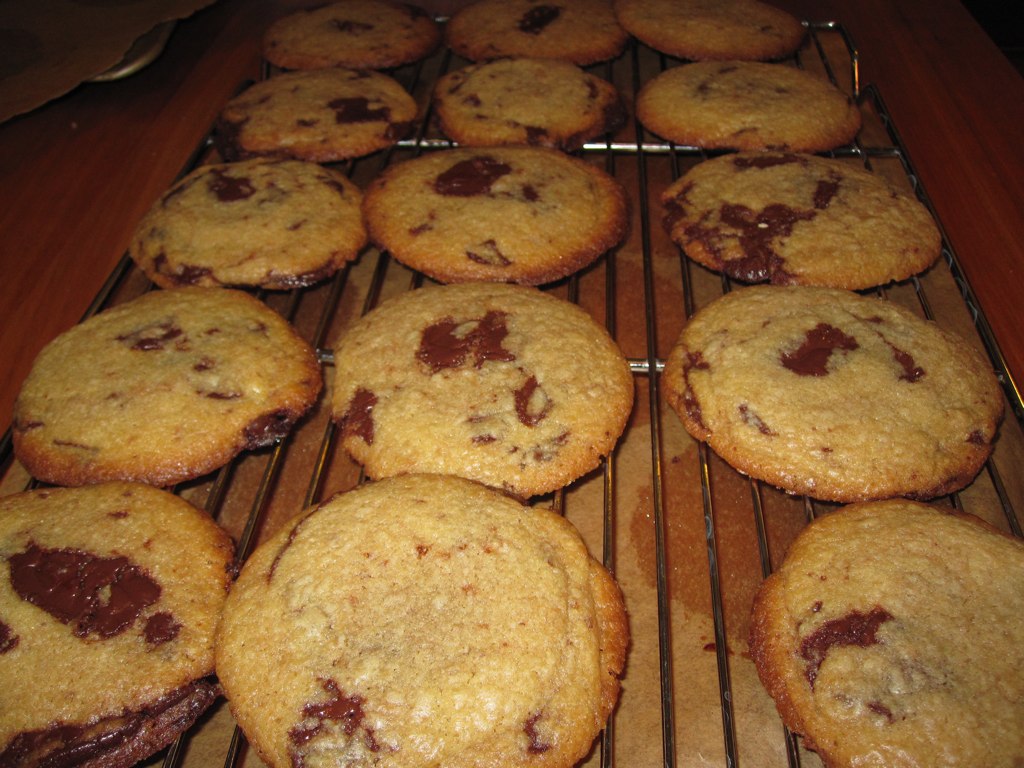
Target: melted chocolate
(911, 370)
(267, 429)
(442, 347)
(811, 358)
(358, 419)
(527, 399)
(470, 177)
(117, 740)
(757, 231)
(8, 640)
(95, 595)
(766, 161)
(537, 18)
(489, 254)
(161, 628)
(824, 193)
(855, 628)
(229, 189)
(339, 707)
(356, 109)
(151, 339)
(694, 361)
(535, 745)
(751, 418)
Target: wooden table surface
(78, 173)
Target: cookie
(511, 214)
(161, 389)
(499, 383)
(320, 115)
(276, 224)
(747, 105)
(580, 31)
(891, 635)
(422, 620)
(799, 220)
(359, 34)
(542, 102)
(834, 395)
(109, 599)
(712, 30)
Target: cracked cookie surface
(712, 30)
(581, 31)
(360, 34)
(499, 383)
(321, 115)
(423, 620)
(109, 599)
(799, 219)
(512, 214)
(541, 102)
(747, 105)
(277, 224)
(163, 388)
(891, 635)
(842, 397)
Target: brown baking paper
(48, 47)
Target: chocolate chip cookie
(799, 219)
(580, 31)
(542, 102)
(422, 620)
(163, 388)
(835, 395)
(891, 635)
(109, 599)
(712, 30)
(321, 115)
(277, 224)
(498, 383)
(747, 105)
(360, 34)
(513, 214)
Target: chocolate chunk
(532, 404)
(977, 437)
(757, 231)
(489, 254)
(96, 595)
(267, 429)
(535, 745)
(153, 338)
(448, 343)
(358, 418)
(751, 418)
(824, 193)
(356, 109)
(536, 135)
(537, 18)
(229, 189)
(339, 707)
(161, 628)
(855, 628)
(811, 358)
(8, 640)
(694, 361)
(471, 177)
(352, 27)
(911, 370)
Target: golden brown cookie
(361, 34)
(799, 219)
(422, 620)
(835, 395)
(542, 102)
(580, 31)
(892, 635)
(276, 224)
(163, 388)
(109, 599)
(747, 105)
(320, 115)
(514, 214)
(498, 383)
(706, 30)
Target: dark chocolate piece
(855, 628)
(471, 177)
(443, 346)
(358, 419)
(537, 18)
(811, 358)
